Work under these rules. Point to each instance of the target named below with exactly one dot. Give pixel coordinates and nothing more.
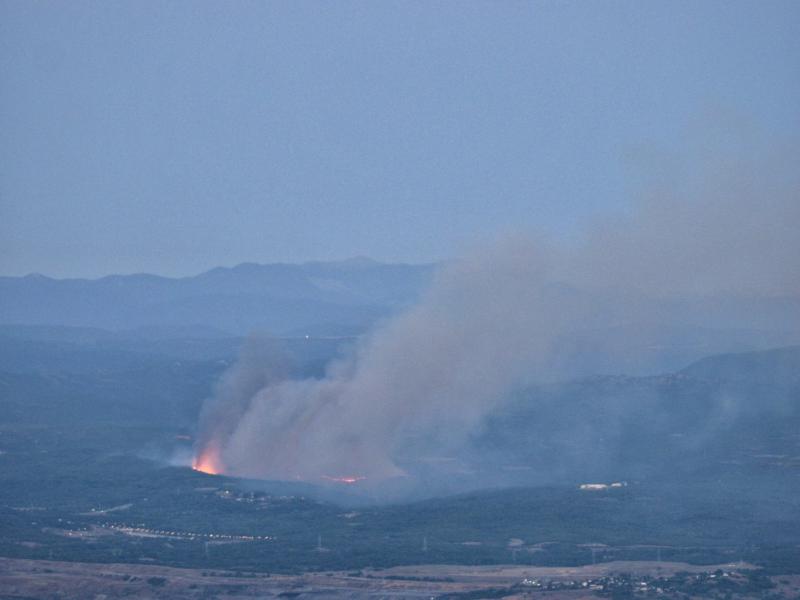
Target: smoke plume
(509, 314)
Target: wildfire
(208, 461)
(349, 479)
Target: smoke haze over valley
(524, 311)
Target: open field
(509, 574)
(22, 579)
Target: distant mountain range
(346, 298)
(318, 298)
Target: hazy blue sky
(171, 137)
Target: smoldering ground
(518, 312)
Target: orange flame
(208, 461)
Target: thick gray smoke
(484, 326)
(510, 314)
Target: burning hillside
(208, 461)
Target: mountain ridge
(277, 297)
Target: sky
(173, 137)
